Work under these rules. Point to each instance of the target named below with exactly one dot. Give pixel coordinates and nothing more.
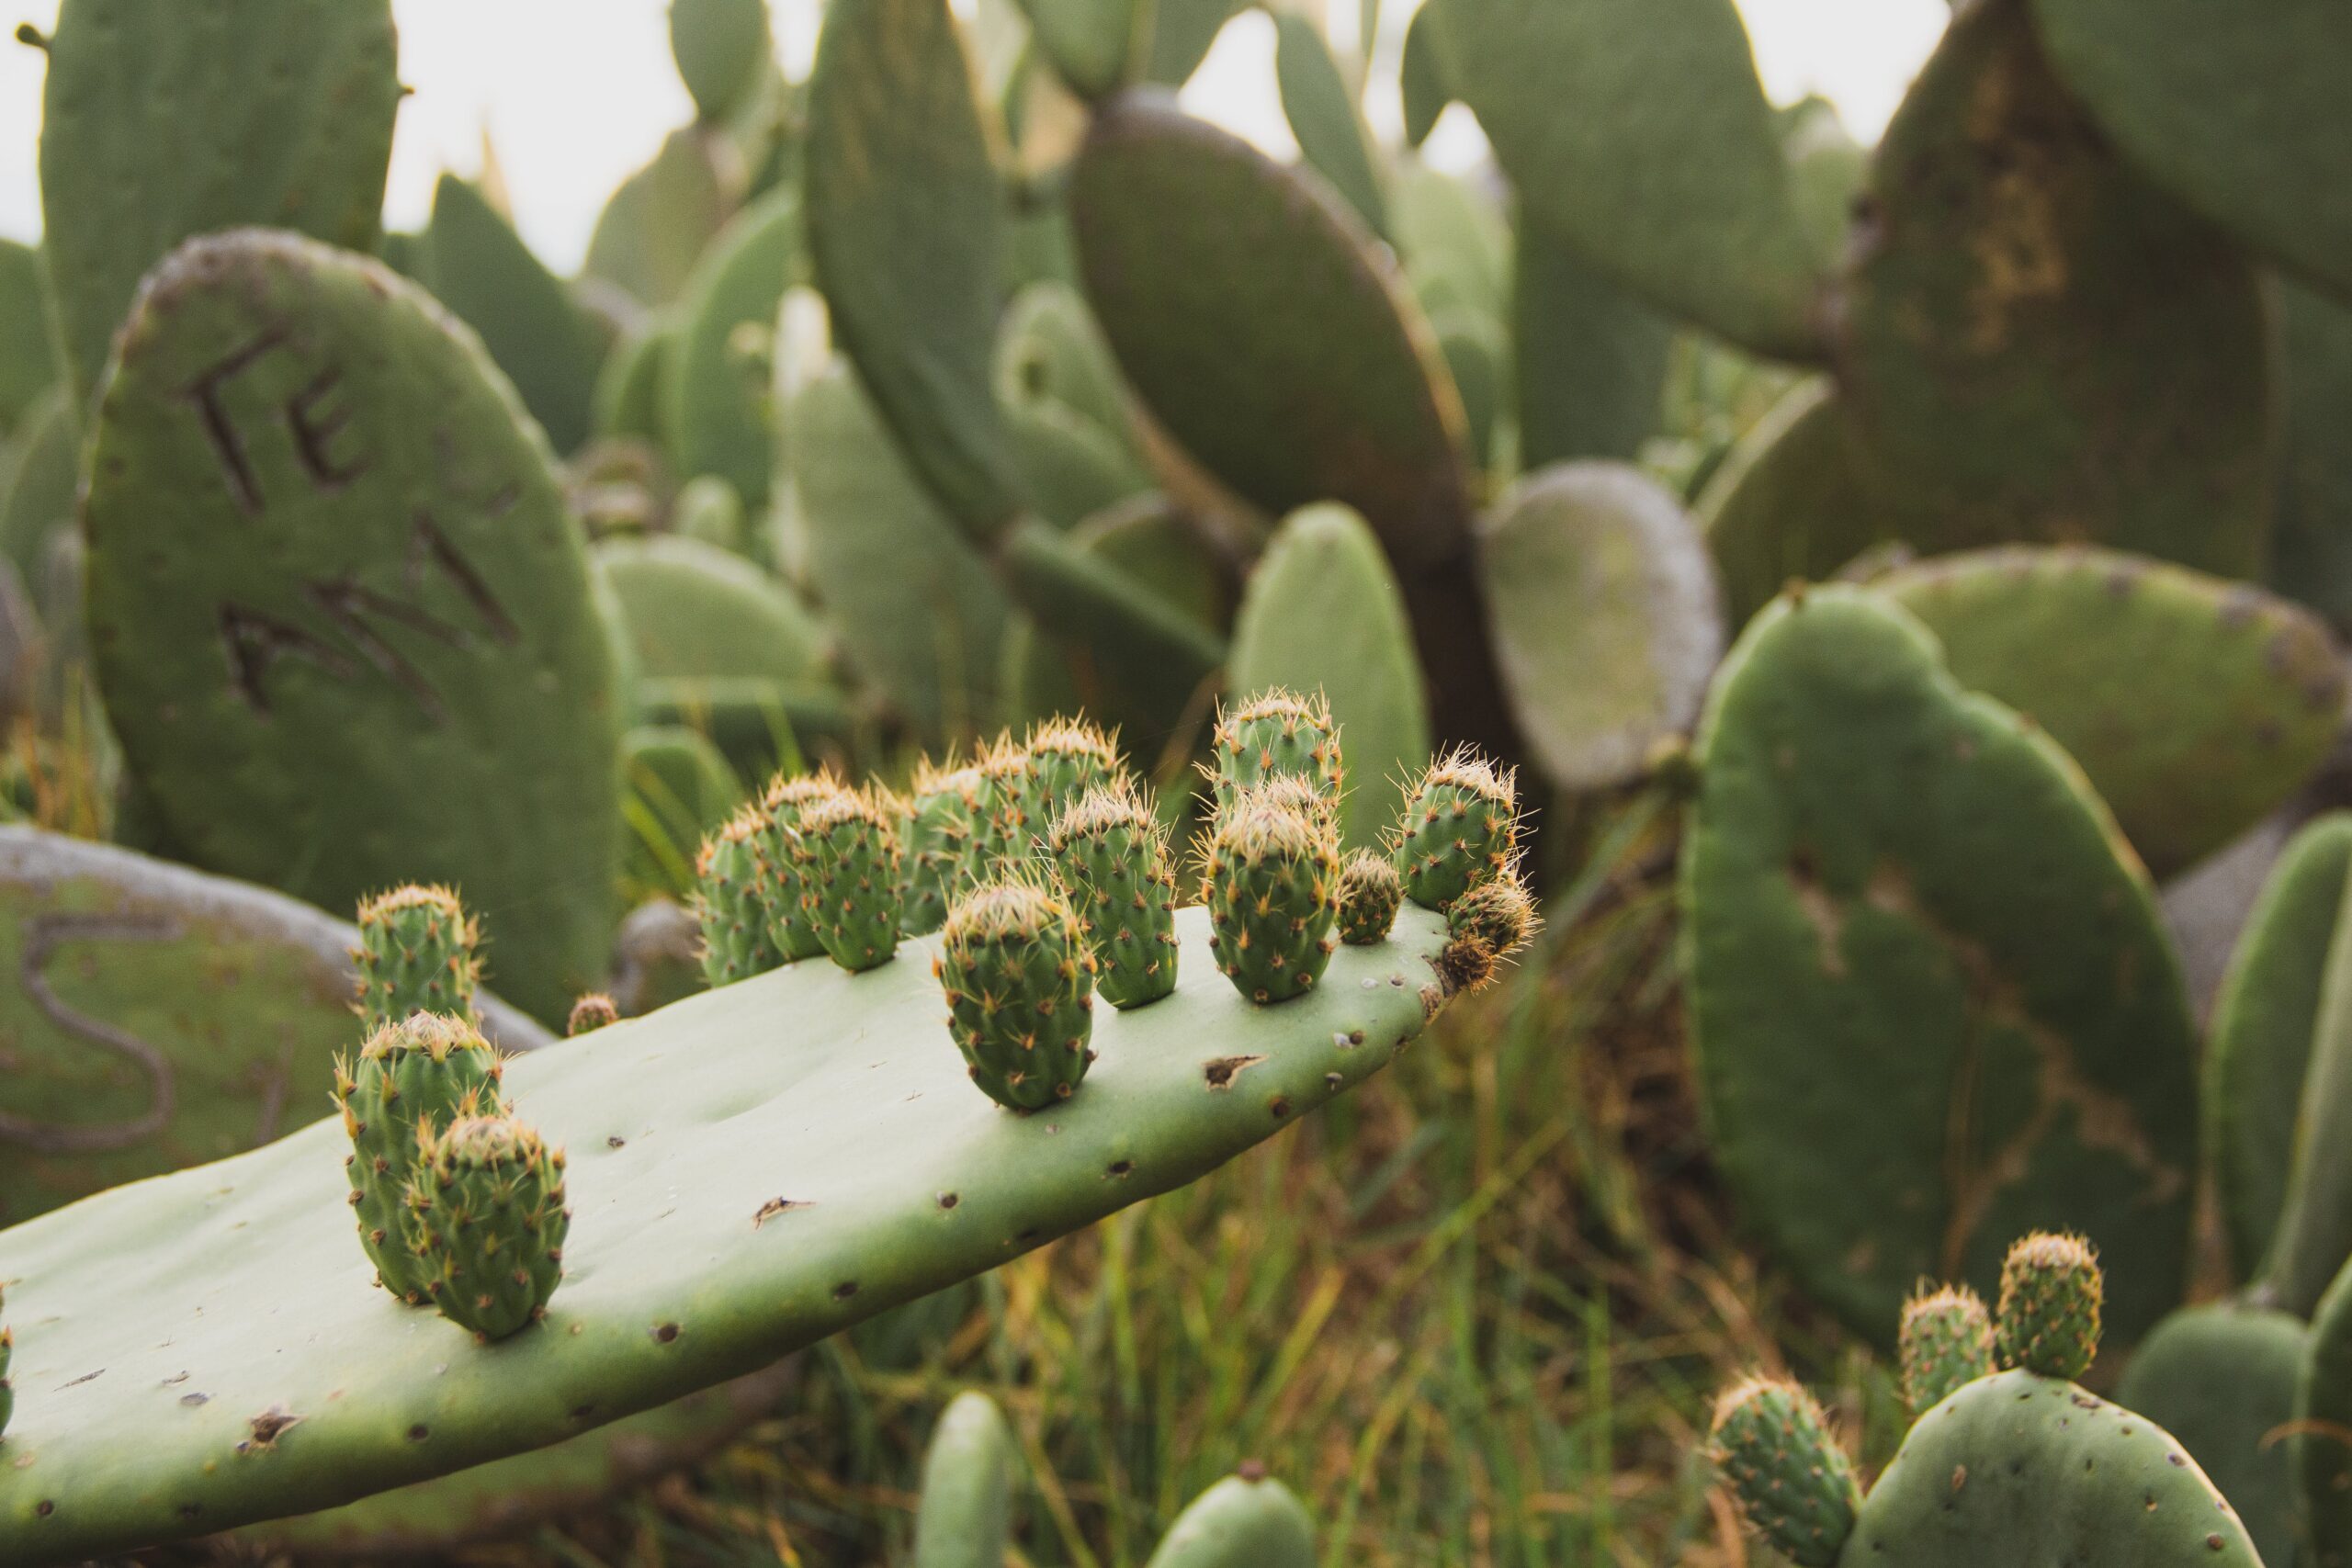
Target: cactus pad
(792, 926)
(1243, 1521)
(1069, 759)
(709, 629)
(2321, 1458)
(1786, 502)
(1900, 899)
(1946, 1342)
(343, 559)
(2223, 1380)
(1459, 828)
(1795, 1486)
(1371, 890)
(966, 1512)
(416, 955)
(1497, 914)
(713, 408)
(945, 818)
(1270, 878)
(2048, 1321)
(1112, 859)
(846, 851)
(1274, 735)
(2036, 344)
(489, 1224)
(411, 1078)
(248, 1269)
(719, 46)
(655, 226)
(1020, 984)
(734, 883)
(1607, 622)
(2073, 636)
(590, 1013)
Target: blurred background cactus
(1906, 583)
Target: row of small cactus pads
(1046, 873)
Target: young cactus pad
(734, 890)
(943, 819)
(1459, 826)
(1112, 857)
(1794, 1484)
(1020, 987)
(1875, 917)
(2048, 1316)
(1370, 892)
(847, 856)
(1946, 1341)
(415, 954)
(1270, 878)
(489, 1224)
(1243, 1521)
(1278, 734)
(413, 1079)
(792, 926)
(726, 1209)
(965, 1516)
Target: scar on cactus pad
(1270, 876)
(1013, 960)
(1112, 854)
(490, 1223)
(416, 955)
(413, 1076)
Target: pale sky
(574, 94)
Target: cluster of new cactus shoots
(458, 1203)
(2008, 1459)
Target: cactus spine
(1113, 858)
(1460, 828)
(791, 930)
(2049, 1317)
(1270, 878)
(1947, 1340)
(1795, 1486)
(1278, 734)
(415, 954)
(847, 854)
(1370, 892)
(732, 896)
(1019, 999)
(489, 1224)
(413, 1076)
(590, 1013)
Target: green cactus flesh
(158, 126)
(735, 889)
(416, 955)
(847, 853)
(793, 1232)
(405, 598)
(1891, 889)
(2016, 1467)
(2038, 345)
(1370, 891)
(411, 1079)
(1270, 878)
(719, 46)
(714, 408)
(1588, 362)
(2266, 1025)
(1669, 179)
(680, 786)
(1794, 1484)
(1607, 623)
(1323, 613)
(489, 1220)
(656, 225)
(706, 625)
(2223, 1380)
(2266, 165)
(26, 370)
(793, 929)
(1073, 467)
(1333, 139)
(1946, 1341)
(965, 1517)
(944, 819)
(1050, 350)
(2319, 1451)
(629, 386)
(478, 265)
(1112, 859)
(2311, 553)
(1786, 503)
(1243, 1521)
(1459, 828)
(1068, 759)
(37, 503)
(2314, 1233)
(2048, 1320)
(2255, 685)
(159, 1017)
(1278, 735)
(1093, 44)
(1020, 984)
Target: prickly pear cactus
(714, 408)
(967, 1511)
(160, 126)
(846, 853)
(1795, 1486)
(719, 47)
(2323, 1460)
(27, 371)
(1068, 759)
(735, 889)
(322, 542)
(2223, 1379)
(1020, 984)
(1113, 858)
(1498, 914)
(590, 1013)
(416, 955)
(2048, 1321)
(1947, 1340)
(1370, 891)
(1270, 878)
(945, 815)
(656, 225)
(1278, 734)
(1459, 828)
(2255, 685)
(411, 1079)
(1243, 1521)
(1900, 898)
(488, 1217)
(158, 1017)
(792, 925)
(1332, 137)
(1786, 503)
(794, 1233)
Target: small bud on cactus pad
(416, 955)
(1113, 856)
(847, 856)
(1019, 980)
(1947, 1341)
(2051, 1293)
(1009, 810)
(1460, 828)
(1370, 894)
(489, 1224)
(1068, 758)
(941, 821)
(732, 893)
(1498, 913)
(1270, 878)
(591, 1013)
(1793, 1483)
(1278, 734)
(781, 806)
(411, 1077)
